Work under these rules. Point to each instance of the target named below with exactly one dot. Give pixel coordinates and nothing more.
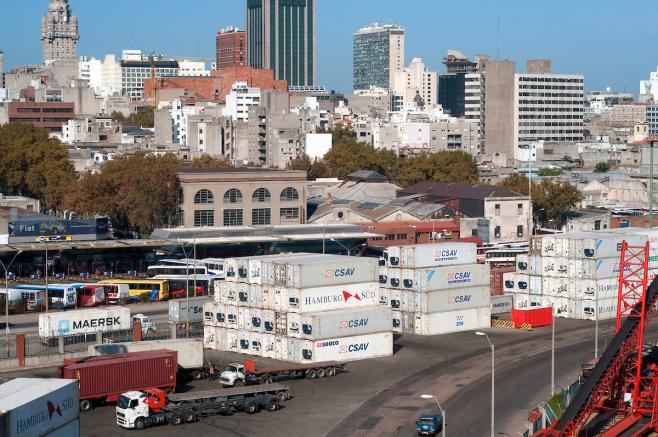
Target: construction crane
(620, 395)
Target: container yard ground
(381, 396)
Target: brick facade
(231, 48)
(48, 115)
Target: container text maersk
(96, 323)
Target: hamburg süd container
(339, 323)
(357, 347)
(34, 407)
(184, 310)
(308, 300)
(443, 278)
(431, 255)
(86, 321)
(452, 321)
(452, 300)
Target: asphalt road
(382, 396)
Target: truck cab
(135, 407)
(429, 424)
(232, 374)
(147, 323)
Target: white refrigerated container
(209, 337)
(430, 255)
(452, 321)
(323, 271)
(403, 322)
(443, 278)
(339, 323)
(256, 265)
(452, 300)
(326, 298)
(184, 310)
(357, 347)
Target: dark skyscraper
(281, 36)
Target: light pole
(345, 247)
(493, 368)
(552, 351)
(6, 269)
(187, 286)
(651, 184)
(443, 412)
(596, 324)
(194, 248)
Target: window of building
(204, 218)
(402, 236)
(519, 209)
(261, 195)
(289, 194)
(289, 213)
(497, 209)
(519, 231)
(597, 225)
(233, 196)
(204, 197)
(233, 217)
(497, 232)
(261, 216)
(390, 236)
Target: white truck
(86, 321)
(190, 353)
(237, 374)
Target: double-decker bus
(138, 289)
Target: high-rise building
(59, 33)
(414, 80)
(378, 55)
(452, 84)
(231, 48)
(2, 69)
(281, 37)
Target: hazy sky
(613, 43)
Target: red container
(497, 287)
(534, 317)
(107, 377)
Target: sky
(614, 43)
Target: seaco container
(309, 300)
(356, 347)
(451, 300)
(452, 321)
(107, 377)
(34, 407)
(88, 321)
(502, 304)
(431, 255)
(323, 271)
(181, 311)
(339, 323)
(443, 278)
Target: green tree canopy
(515, 182)
(314, 168)
(602, 167)
(144, 117)
(34, 165)
(549, 171)
(208, 161)
(444, 166)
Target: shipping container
(190, 350)
(383, 275)
(27, 406)
(260, 268)
(105, 378)
(324, 271)
(232, 316)
(509, 282)
(269, 346)
(527, 300)
(395, 278)
(209, 337)
(403, 322)
(431, 255)
(86, 321)
(586, 309)
(452, 300)
(310, 300)
(531, 284)
(539, 316)
(599, 245)
(358, 347)
(339, 323)
(588, 288)
(497, 278)
(452, 321)
(557, 287)
(443, 278)
(187, 310)
(502, 304)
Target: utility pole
(651, 183)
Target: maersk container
(339, 323)
(444, 278)
(403, 322)
(553, 245)
(244, 340)
(452, 300)
(383, 275)
(433, 255)
(452, 321)
(509, 282)
(233, 293)
(502, 304)
(523, 262)
(87, 321)
(184, 310)
(309, 300)
(324, 271)
(214, 314)
(34, 407)
(357, 347)
(225, 340)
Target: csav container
(403, 322)
(443, 278)
(339, 323)
(431, 255)
(323, 271)
(452, 321)
(260, 271)
(87, 321)
(357, 347)
(33, 407)
(187, 310)
(308, 300)
(451, 300)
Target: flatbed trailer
(238, 375)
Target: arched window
(261, 195)
(289, 194)
(203, 197)
(233, 196)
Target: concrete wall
(499, 108)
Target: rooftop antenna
(498, 41)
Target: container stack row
(576, 273)
(435, 288)
(302, 308)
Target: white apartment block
(474, 100)
(649, 88)
(192, 68)
(239, 100)
(104, 76)
(416, 79)
(548, 107)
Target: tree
(602, 167)
(34, 165)
(207, 161)
(549, 171)
(314, 168)
(144, 117)
(551, 201)
(515, 182)
(138, 192)
(444, 166)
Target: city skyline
(428, 35)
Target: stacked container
(572, 272)
(435, 288)
(302, 308)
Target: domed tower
(59, 33)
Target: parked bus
(176, 269)
(117, 294)
(92, 295)
(156, 289)
(14, 297)
(59, 295)
(215, 266)
(205, 285)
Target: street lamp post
(596, 324)
(6, 269)
(443, 412)
(552, 351)
(345, 247)
(187, 286)
(493, 368)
